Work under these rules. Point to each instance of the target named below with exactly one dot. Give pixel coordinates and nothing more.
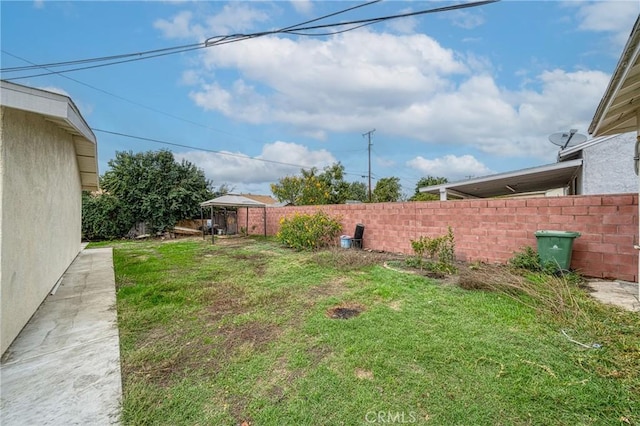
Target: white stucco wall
(608, 167)
(40, 219)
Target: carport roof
(534, 179)
(60, 110)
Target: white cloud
(403, 25)
(465, 19)
(242, 170)
(38, 4)
(235, 17)
(302, 6)
(410, 84)
(232, 18)
(179, 26)
(54, 89)
(615, 17)
(450, 166)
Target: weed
(440, 252)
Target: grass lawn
(242, 332)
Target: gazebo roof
(232, 200)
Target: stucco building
(48, 155)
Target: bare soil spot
(396, 305)
(331, 288)
(363, 374)
(258, 261)
(253, 334)
(345, 311)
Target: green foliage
(527, 259)
(440, 252)
(153, 188)
(358, 192)
(387, 190)
(313, 188)
(427, 181)
(104, 217)
(308, 232)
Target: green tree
(427, 181)
(358, 192)
(387, 190)
(155, 189)
(103, 217)
(288, 189)
(312, 187)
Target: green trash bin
(556, 247)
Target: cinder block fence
(492, 230)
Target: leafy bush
(104, 217)
(308, 232)
(440, 252)
(527, 259)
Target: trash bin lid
(565, 234)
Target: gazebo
(236, 201)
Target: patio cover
(542, 178)
(232, 200)
(619, 109)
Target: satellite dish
(565, 139)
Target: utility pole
(368, 134)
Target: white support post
(443, 194)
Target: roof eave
(60, 110)
(628, 58)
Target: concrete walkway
(620, 293)
(64, 367)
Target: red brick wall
(492, 230)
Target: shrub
(308, 232)
(104, 217)
(439, 250)
(527, 259)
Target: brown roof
(265, 199)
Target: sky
(456, 94)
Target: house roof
(533, 179)
(232, 200)
(60, 110)
(266, 199)
(572, 150)
(617, 112)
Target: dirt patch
(257, 261)
(345, 311)
(331, 288)
(223, 300)
(396, 305)
(363, 374)
(252, 335)
(349, 260)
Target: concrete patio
(620, 293)
(64, 367)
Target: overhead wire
(214, 151)
(297, 29)
(174, 49)
(139, 104)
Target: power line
(169, 50)
(229, 154)
(132, 102)
(234, 38)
